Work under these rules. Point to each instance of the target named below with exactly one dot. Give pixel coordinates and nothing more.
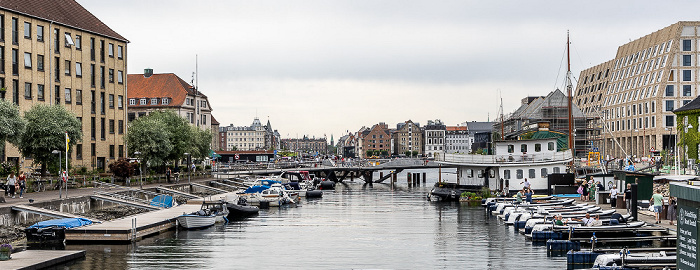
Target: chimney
(147, 72)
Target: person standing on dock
(11, 180)
(526, 184)
(658, 201)
(528, 195)
(21, 183)
(168, 173)
(613, 196)
(628, 198)
(671, 212)
(519, 196)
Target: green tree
(12, 125)
(201, 142)
(179, 133)
(45, 132)
(150, 136)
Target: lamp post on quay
(189, 169)
(60, 184)
(137, 153)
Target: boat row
(564, 225)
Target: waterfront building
(248, 138)
(215, 146)
(553, 109)
(479, 135)
(376, 139)
(637, 91)
(434, 135)
(408, 139)
(306, 146)
(57, 52)
(346, 145)
(151, 92)
(457, 140)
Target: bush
(485, 192)
(122, 168)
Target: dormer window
(132, 101)
(165, 101)
(143, 101)
(154, 101)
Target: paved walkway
(51, 195)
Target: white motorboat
(197, 220)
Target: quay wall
(76, 206)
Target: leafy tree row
(41, 131)
(164, 136)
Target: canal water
(357, 226)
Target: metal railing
(491, 159)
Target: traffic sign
(237, 156)
(652, 149)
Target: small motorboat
(52, 231)
(241, 208)
(218, 208)
(197, 220)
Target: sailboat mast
(568, 90)
(502, 129)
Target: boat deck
(39, 259)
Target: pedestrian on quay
(11, 181)
(585, 190)
(505, 191)
(671, 211)
(613, 196)
(528, 195)
(526, 184)
(628, 198)
(591, 191)
(519, 196)
(658, 201)
(168, 172)
(22, 183)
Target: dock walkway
(39, 259)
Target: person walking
(168, 173)
(11, 181)
(658, 201)
(22, 183)
(613, 196)
(585, 190)
(628, 198)
(671, 211)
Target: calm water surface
(354, 227)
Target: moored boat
(52, 231)
(197, 220)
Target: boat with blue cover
(52, 231)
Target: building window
(143, 101)
(57, 69)
(111, 126)
(669, 105)
(555, 170)
(687, 60)
(39, 62)
(111, 75)
(55, 40)
(120, 52)
(686, 75)
(102, 102)
(120, 127)
(2, 54)
(79, 151)
(102, 77)
(120, 102)
(103, 135)
(68, 67)
(15, 39)
(40, 91)
(93, 101)
(687, 90)
(519, 173)
(669, 91)
(111, 50)
(120, 77)
(28, 90)
(78, 97)
(93, 149)
(538, 147)
(523, 148)
(68, 40)
(669, 120)
(687, 45)
(165, 101)
(15, 63)
(68, 98)
(506, 174)
(154, 101)
(111, 151)
(27, 30)
(543, 173)
(78, 42)
(92, 50)
(102, 52)
(132, 101)
(550, 146)
(92, 75)
(92, 128)
(27, 60)
(121, 151)
(40, 33)
(111, 101)
(78, 69)
(511, 148)
(531, 173)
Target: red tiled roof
(65, 12)
(455, 128)
(158, 86)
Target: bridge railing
(484, 159)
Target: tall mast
(568, 90)
(502, 129)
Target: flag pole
(66, 172)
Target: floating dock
(131, 228)
(39, 259)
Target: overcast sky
(324, 67)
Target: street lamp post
(60, 184)
(137, 153)
(189, 169)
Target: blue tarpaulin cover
(268, 182)
(162, 201)
(256, 189)
(63, 222)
